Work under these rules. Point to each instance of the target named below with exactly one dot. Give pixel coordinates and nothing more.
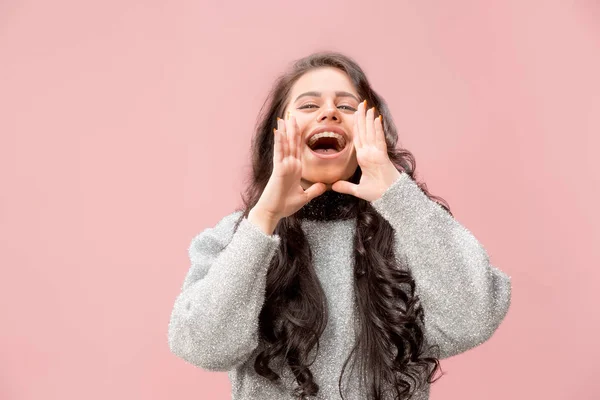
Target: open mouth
(327, 143)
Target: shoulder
(215, 238)
(228, 223)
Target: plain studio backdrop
(125, 130)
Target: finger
(369, 127)
(277, 150)
(345, 187)
(316, 189)
(300, 141)
(380, 134)
(291, 129)
(361, 123)
(284, 139)
(357, 142)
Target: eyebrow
(318, 94)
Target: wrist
(266, 221)
(389, 176)
(392, 176)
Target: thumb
(316, 189)
(345, 187)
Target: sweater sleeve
(464, 297)
(214, 322)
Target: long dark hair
(391, 345)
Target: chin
(328, 174)
(327, 179)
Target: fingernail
(289, 114)
(278, 119)
(380, 118)
(274, 130)
(374, 109)
(365, 103)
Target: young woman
(341, 277)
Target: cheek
(353, 160)
(302, 122)
(303, 127)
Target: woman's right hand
(283, 194)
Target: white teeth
(337, 136)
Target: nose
(329, 112)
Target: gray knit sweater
(214, 322)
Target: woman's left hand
(378, 172)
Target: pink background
(125, 129)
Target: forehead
(323, 80)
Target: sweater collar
(330, 206)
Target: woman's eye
(314, 105)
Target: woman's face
(324, 100)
